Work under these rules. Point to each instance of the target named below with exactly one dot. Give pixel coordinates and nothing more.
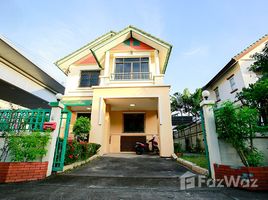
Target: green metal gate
(58, 162)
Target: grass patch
(199, 160)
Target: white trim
(107, 63)
(129, 86)
(157, 63)
(133, 54)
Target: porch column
(55, 116)
(98, 122)
(211, 135)
(165, 128)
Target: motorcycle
(141, 148)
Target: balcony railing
(132, 76)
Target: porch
(117, 121)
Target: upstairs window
(89, 78)
(217, 94)
(232, 83)
(132, 68)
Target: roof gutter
(229, 65)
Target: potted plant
(81, 129)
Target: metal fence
(131, 76)
(21, 120)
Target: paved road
(128, 177)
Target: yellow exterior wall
(99, 132)
(116, 128)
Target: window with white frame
(89, 78)
(131, 68)
(217, 94)
(232, 83)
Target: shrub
(24, 146)
(198, 147)
(254, 157)
(81, 128)
(237, 126)
(177, 148)
(76, 151)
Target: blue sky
(204, 34)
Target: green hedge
(76, 151)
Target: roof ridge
(252, 45)
(148, 34)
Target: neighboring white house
(23, 84)
(235, 75)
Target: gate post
(55, 116)
(211, 135)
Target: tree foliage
(81, 128)
(261, 63)
(187, 103)
(256, 95)
(237, 126)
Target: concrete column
(98, 122)
(165, 127)
(212, 137)
(54, 117)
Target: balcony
(131, 76)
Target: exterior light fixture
(88, 108)
(205, 94)
(132, 105)
(59, 96)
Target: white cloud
(201, 51)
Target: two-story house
(235, 75)
(117, 81)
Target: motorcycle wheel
(139, 151)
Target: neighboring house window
(232, 83)
(131, 68)
(134, 123)
(217, 94)
(89, 78)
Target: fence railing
(18, 120)
(131, 76)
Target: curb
(193, 167)
(77, 164)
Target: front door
(133, 124)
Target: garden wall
(229, 156)
(250, 178)
(22, 171)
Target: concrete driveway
(121, 177)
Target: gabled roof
(163, 47)
(235, 59)
(106, 42)
(65, 61)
